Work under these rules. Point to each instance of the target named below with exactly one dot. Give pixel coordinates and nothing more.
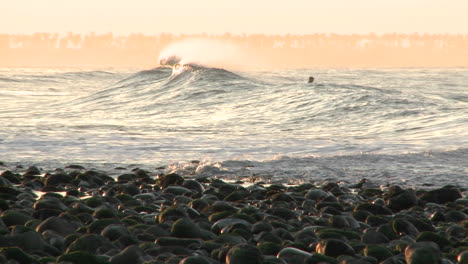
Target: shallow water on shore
(406, 126)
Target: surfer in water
(311, 79)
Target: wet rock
(195, 260)
(422, 253)
(57, 225)
(334, 248)
(90, 243)
(318, 258)
(293, 255)
(131, 254)
(244, 254)
(442, 195)
(379, 252)
(185, 228)
(115, 231)
(170, 179)
(371, 236)
(17, 255)
(80, 257)
(13, 217)
(373, 208)
(401, 199)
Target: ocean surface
(398, 126)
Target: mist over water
(389, 125)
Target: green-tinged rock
(17, 254)
(97, 226)
(13, 217)
(423, 253)
(195, 260)
(172, 214)
(293, 255)
(373, 208)
(182, 242)
(334, 248)
(379, 252)
(57, 225)
(185, 228)
(402, 226)
(131, 254)
(318, 258)
(441, 196)
(89, 243)
(170, 179)
(114, 232)
(269, 248)
(373, 237)
(401, 199)
(244, 254)
(81, 257)
(440, 240)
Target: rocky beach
(82, 215)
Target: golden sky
(239, 16)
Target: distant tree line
(292, 51)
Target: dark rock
(373, 237)
(90, 243)
(131, 254)
(442, 195)
(334, 248)
(402, 200)
(13, 217)
(114, 232)
(80, 257)
(57, 179)
(293, 255)
(185, 228)
(170, 179)
(318, 258)
(17, 255)
(373, 208)
(379, 252)
(402, 226)
(422, 253)
(244, 254)
(57, 225)
(193, 185)
(455, 216)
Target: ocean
(391, 126)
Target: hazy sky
(234, 16)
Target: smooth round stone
(194, 185)
(293, 255)
(244, 254)
(131, 254)
(185, 228)
(15, 254)
(423, 253)
(57, 225)
(114, 232)
(195, 260)
(373, 237)
(317, 194)
(379, 252)
(89, 243)
(170, 179)
(443, 195)
(12, 217)
(220, 224)
(403, 200)
(334, 248)
(177, 190)
(78, 257)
